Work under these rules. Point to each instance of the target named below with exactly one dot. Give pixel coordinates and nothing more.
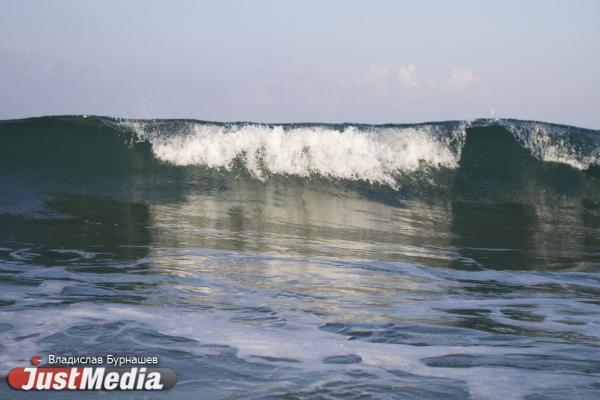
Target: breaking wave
(376, 155)
(388, 155)
(360, 152)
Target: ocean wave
(408, 157)
(374, 154)
(579, 148)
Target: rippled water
(311, 290)
(276, 294)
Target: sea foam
(558, 144)
(375, 155)
(378, 154)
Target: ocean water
(450, 260)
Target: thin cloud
(379, 76)
(384, 77)
(407, 75)
(399, 80)
(461, 77)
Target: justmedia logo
(53, 376)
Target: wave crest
(579, 148)
(374, 154)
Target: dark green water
(451, 260)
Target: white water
(551, 143)
(376, 156)
(300, 339)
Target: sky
(289, 61)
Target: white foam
(552, 143)
(376, 155)
(304, 343)
(83, 254)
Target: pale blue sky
(278, 61)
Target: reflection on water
(552, 233)
(304, 221)
(79, 225)
(510, 211)
(271, 290)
